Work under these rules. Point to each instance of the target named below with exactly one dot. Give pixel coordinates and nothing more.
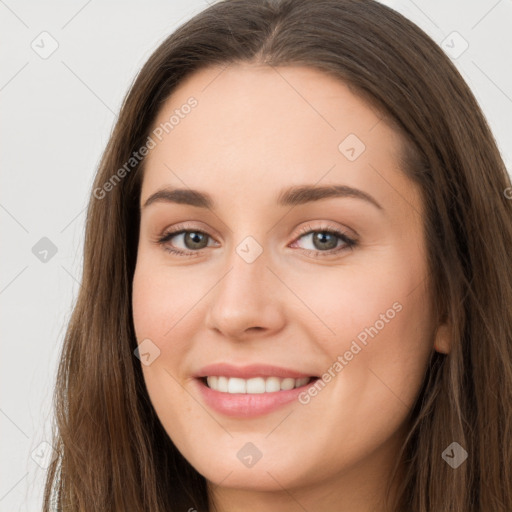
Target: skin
(255, 131)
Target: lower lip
(245, 405)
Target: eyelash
(350, 243)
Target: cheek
(163, 300)
(159, 315)
(377, 357)
(149, 310)
(364, 301)
(378, 320)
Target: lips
(242, 403)
(250, 371)
(245, 405)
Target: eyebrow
(292, 196)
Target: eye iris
(321, 237)
(195, 238)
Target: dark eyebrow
(181, 196)
(289, 197)
(306, 193)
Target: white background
(57, 114)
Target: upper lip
(246, 372)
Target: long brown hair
(113, 453)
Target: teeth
(255, 385)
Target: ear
(442, 341)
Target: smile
(248, 398)
(256, 385)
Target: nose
(247, 300)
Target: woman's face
(269, 283)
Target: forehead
(277, 126)
(273, 105)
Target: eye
(193, 239)
(325, 240)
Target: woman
(219, 356)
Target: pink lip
(247, 372)
(243, 405)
